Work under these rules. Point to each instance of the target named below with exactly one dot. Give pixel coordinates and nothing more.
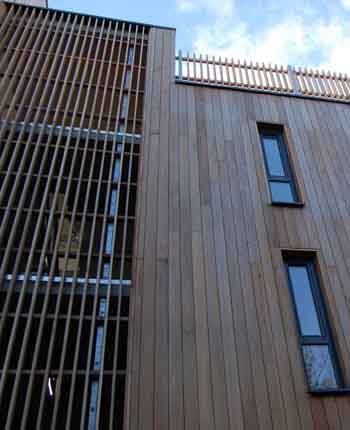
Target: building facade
(174, 235)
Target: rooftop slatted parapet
(41, 3)
(261, 77)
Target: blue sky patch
(300, 32)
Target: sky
(311, 33)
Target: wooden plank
(200, 303)
(319, 415)
(136, 318)
(233, 231)
(147, 374)
(240, 396)
(162, 253)
(191, 406)
(139, 85)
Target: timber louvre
(71, 116)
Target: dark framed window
(278, 167)
(317, 347)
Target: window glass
(124, 106)
(102, 307)
(109, 239)
(106, 270)
(304, 301)
(320, 360)
(113, 203)
(319, 367)
(281, 192)
(277, 164)
(273, 157)
(98, 348)
(131, 55)
(121, 128)
(127, 80)
(93, 406)
(116, 170)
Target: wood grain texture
(213, 341)
(214, 333)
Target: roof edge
(90, 15)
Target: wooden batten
(70, 148)
(262, 78)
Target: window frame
(277, 133)
(326, 337)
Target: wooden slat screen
(261, 76)
(71, 111)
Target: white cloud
(335, 40)
(186, 5)
(346, 3)
(293, 41)
(218, 8)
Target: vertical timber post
(180, 64)
(292, 75)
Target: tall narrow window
(113, 202)
(130, 55)
(121, 127)
(320, 360)
(124, 109)
(278, 167)
(98, 347)
(127, 79)
(116, 170)
(106, 270)
(93, 405)
(109, 239)
(102, 308)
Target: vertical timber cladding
(71, 107)
(214, 341)
(152, 398)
